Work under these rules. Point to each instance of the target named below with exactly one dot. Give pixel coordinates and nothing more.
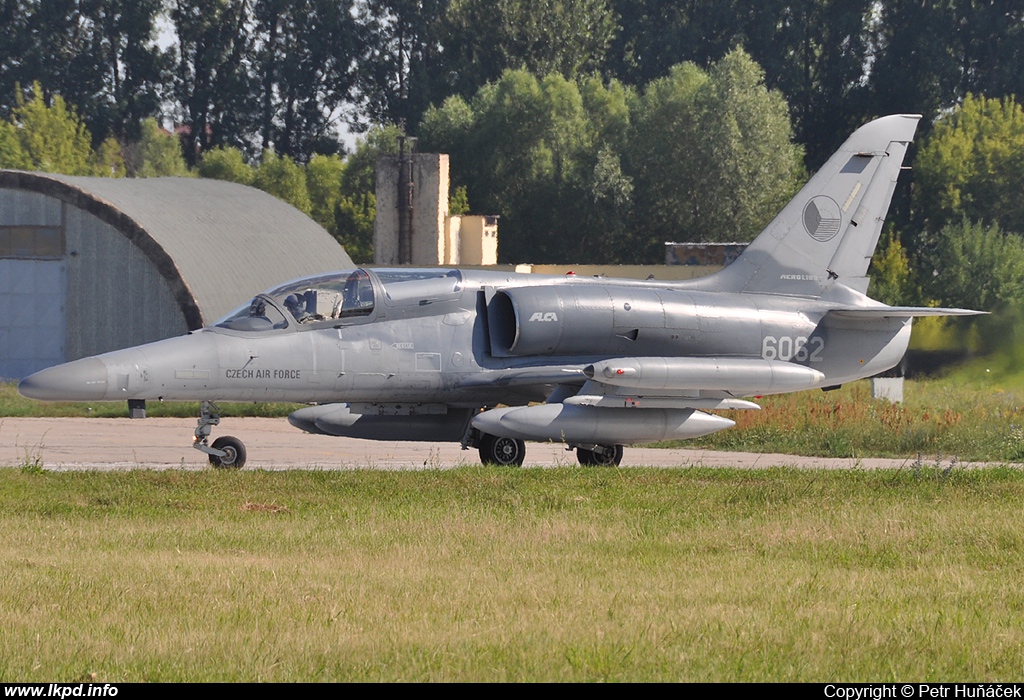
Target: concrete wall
(430, 209)
(471, 240)
(637, 272)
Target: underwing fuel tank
(601, 426)
(735, 375)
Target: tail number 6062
(787, 348)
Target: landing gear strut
(226, 452)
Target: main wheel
(591, 458)
(502, 451)
(234, 457)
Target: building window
(32, 242)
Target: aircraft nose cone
(81, 380)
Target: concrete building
(89, 265)
(437, 238)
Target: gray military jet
(430, 354)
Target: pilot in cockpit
(296, 306)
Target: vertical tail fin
(828, 231)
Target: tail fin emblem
(822, 218)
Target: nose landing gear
(226, 452)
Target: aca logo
(546, 317)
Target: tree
(226, 163)
(355, 217)
(973, 266)
(659, 34)
(53, 138)
(712, 156)
(483, 38)
(356, 210)
(972, 165)
(281, 177)
(305, 55)
(100, 56)
(129, 67)
(157, 153)
(211, 83)
(323, 180)
(891, 277)
(513, 148)
(815, 52)
(12, 155)
(400, 61)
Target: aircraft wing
(522, 376)
(872, 313)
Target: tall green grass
(968, 421)
(480, 574)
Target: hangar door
(32, 324)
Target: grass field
(477, 574)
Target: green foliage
(53, 138)
(587, 170)
(972, 166)
(304, 54)
(109, 159)
(359, 176)
(12, 155)
(543, 154)
(157, 153)
(356, 207)
(355, 217)
(487, 37)
(712, 153)
(226, 164)
(458, 203)
(323, 180)
(891, 276)
(974, 266)
(281, 177)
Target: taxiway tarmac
(272, 443)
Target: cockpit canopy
(340, 296)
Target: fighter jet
(494, 359)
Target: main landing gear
(509, 452)
(502, 451)
(600, 456)
(226, 452)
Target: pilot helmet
(294, 305)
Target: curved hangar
(89, 265)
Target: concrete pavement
(272, 443)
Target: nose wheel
(226, 452)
